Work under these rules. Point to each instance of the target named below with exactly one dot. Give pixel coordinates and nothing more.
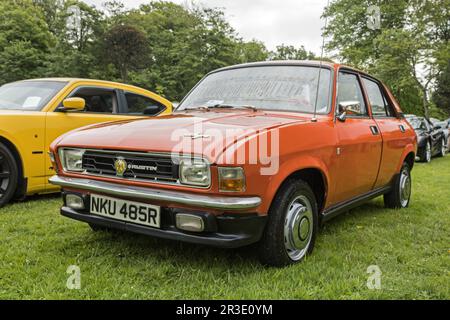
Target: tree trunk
(425, 102)
(124, 74)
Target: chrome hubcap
(5, 174)
(405, 187)
(298, 228)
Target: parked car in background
(33, 113)
(445, 127)
(430, 139)
(336, 138)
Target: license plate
(129, 211)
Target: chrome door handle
(374, 130)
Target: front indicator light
(231, 179)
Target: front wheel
(9, 175)
(400, 194)
(292, 225)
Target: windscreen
(28, 95)
(287, 88)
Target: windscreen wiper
(233, 106)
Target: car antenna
(314, 119)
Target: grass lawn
(411, 247)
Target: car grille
(138, 166)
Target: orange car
(260, 152)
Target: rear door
(393, 130)
(360, 143)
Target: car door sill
(344, 206)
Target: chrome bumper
(196, 200)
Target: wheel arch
(314, 176)
(408, 156)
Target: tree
(284, 52)
(25, 40)
(441, 96)
(126, 47)
(252, 51)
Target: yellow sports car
(33, 113)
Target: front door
(360, 143)
(102, 105)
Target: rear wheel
(9, 175)
(400, 194)
(292, 226)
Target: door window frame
(124, 104)
(387, 103)
(363, 92)
(75, 90)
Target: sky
(290, 22)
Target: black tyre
(9, 175)
(425, 154)
(443, 148)
(400, 194)
(292, 225)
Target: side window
(98, 100)
(138, 104)
(350, 95)
(377, 100)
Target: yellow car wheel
(8, 175)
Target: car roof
(75, 80)
(315, 63)
(61, 79)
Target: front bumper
(149, 194)
(229, 232)
(226, 231)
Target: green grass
(411, 247)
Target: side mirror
(151, 110)
(74, 104)
(348, 107)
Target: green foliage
(284, 52)
(441, 96)
(126, 48)
(25, 40)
